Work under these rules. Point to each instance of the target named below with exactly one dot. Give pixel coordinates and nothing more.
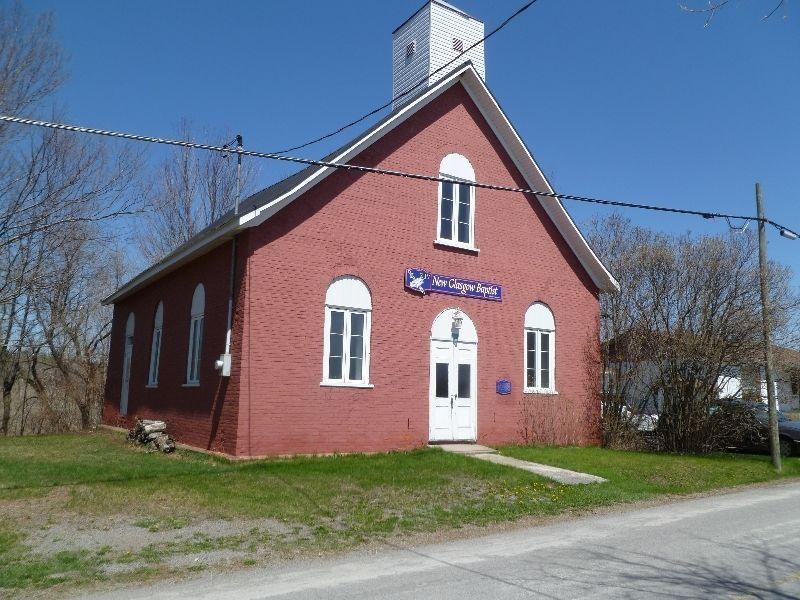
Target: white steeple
(434, 35)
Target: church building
(351, 311)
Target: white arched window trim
(155, 346)
(197, 315)
(455, 223)
(539, 344)
(348, 322)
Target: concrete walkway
(491, 455)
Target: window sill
(540, 391)
(152, 386)
(346, 384)
(456, 245)
(191, 384)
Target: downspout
(231, 281)
(249, 347)
(223, 363)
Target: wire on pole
(785, 231)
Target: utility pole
(774, 441)
(223, 364)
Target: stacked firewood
(152, 434)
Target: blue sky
(624, 99)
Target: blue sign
(503, 387)
(421, 281)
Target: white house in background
(752, 383)
(643, 394)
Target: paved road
(740, 545)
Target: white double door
(453, 399)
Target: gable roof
(262, 205)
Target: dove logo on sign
(418, 280)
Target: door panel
(452, 391)
(464, 402)
(440, 391)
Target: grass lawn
(79, 509)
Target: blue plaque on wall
(503, 387)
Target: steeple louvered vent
(433, 36)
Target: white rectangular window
(531, 378)
(347, 347)
(544, 360)
(336, 345)
(446, 210)
(356, 356)
(456, 210)
(539, 361)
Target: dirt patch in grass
(125, 535)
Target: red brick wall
(204, 416)
(375, 227)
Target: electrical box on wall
(223, 365)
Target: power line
(413, 87)
(394, 173)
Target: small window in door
(442, 380)
(464, 381)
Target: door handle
(451, 402)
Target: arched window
(540, 349)
(456, 223)
(155, 345)
(195, 335)
(130, 325)
(348, 306)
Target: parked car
(757, 436)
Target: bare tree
(31, 62)
(192, 190)
(56, 178)
(624, 393)
(49, 178)
(688, 311)
(69, 368)
(60, 195)
(714, 6)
